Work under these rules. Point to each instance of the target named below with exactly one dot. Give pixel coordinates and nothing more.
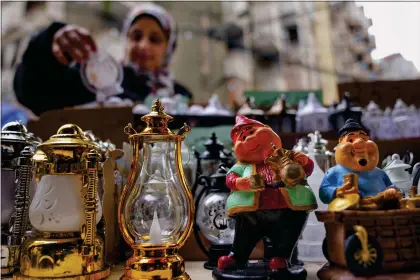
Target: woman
(45, 80)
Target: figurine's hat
(242, 121)
(349, 126)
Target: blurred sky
(396, 27)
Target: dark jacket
(41, 83)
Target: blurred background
(229, 47)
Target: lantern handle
(183, 131)
(196, 227)
(189, 155)
(201, 178)
(129, 130)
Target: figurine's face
(253, 144)
(357, 152)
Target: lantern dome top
(68, 135)
(157, 125)
(14, 132)
(157, 120)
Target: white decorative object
(414, 124)
(313, 116)
(248, 108)
(102, 75)
(114, 101)
(196, 110)
(58, 204)
(372, 118)
(401, 119)
(169, 104)
(387, 127)
(310, 246)
(215, 107)
(140, 109)
(299, 123)
(397, 171)
(301, 146)
(155, 235)
(181, 104)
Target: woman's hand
(75, 41)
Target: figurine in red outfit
(263, 202)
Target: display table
(197, 272)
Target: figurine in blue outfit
(356, 154)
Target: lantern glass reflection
(212, 219)
(157, 209)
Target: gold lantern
(17, 146)
(155, 212)
(64, 211)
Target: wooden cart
(372, 242)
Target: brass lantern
(17, 147)
(64, 211)
(155, 212)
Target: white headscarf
(161, 81)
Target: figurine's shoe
(277, 263)
(226, 262)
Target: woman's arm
(41, 83)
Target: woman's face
(146, 44)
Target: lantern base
(184, 276)
(59, 256)
(7, 271)
(215, 252)
(260, 271)
(12, 255)
(155, 264)
(101, 274)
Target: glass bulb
(157, 208)
(212, 220)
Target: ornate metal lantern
(17, 148)
(211, 218)
(64, 211)
(156, 209)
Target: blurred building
(396, 67)
(353, 44)
(291, 28)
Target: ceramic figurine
(357, 154)
(368, 222)
(269, 198)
